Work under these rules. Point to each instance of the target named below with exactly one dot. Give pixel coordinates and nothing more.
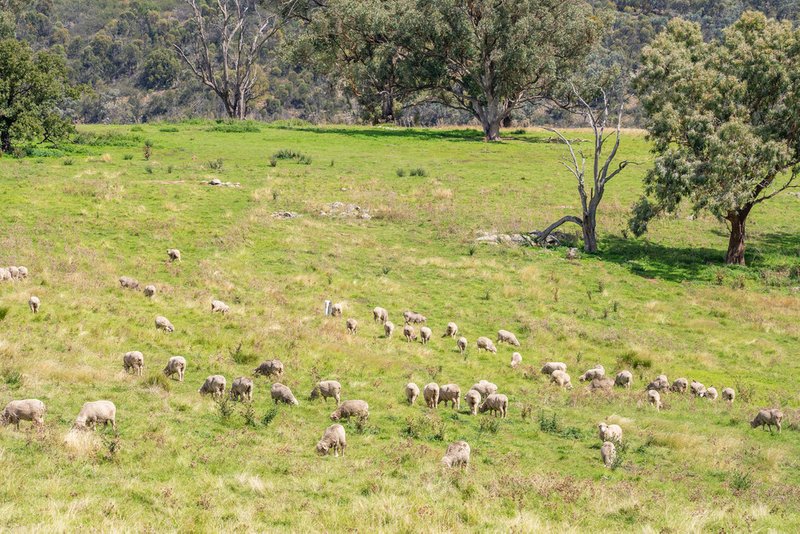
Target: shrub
(225, 407)
(419, 171)
(169, 129)
(68, 161)
(107, 139)
(147, 149)
(216, 164)
(548, 424)
(249, 414)
(634, 360)
(127, 157)
(289, 123)
(740, 481)
(269, 416)
(149, 169)
(3, 312)
(242, 357)
(304, 160)
(12, 378)
(488, 424)
(235, 127)
(273, 161)
(400, 172)
(159, 380)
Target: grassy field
(82, 217)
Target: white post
(327, 307)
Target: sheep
(461, 344)
(485, 388)
(450, 393)
(337, 309)
(561, 378)
(5, 274)
(610, 432)
(413, 317)
(174, 254)
(603, 382)
(608, 452)
(281, 393)
(697, 389)
(451, 330)
(269, 368)
(457, 455)
(149, 291)
(431, 394)
(412, 392)
(23, 271)
(550, 367)
(597, 371)
(214, 385)
(327, 389)
(242, 389)
(97, 412)
(516, 359)
(133, 361)
(128, 283)
(408, 333)
(504, 336)
(162, 323)
(496, 403)
(425, 334)
(13, 272)
(388, 329)
(351, 408)
(217, 306)
(332, 438)
(728, 394)
(711, 393)
(176, 365)
(23, 410)
(352, 326)
(659, 384)
(654, 398)
(486, 344)
(624, 379)
(768, 417)
(473, 399)
(680, 385)
(380, 314)
(34, 303)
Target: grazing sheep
(485, 388)
(451, 330)
(550, 367)
(711, 393)
(473, 399)
(337, 309)
(217, 306)
(23, 410)
(425, 334)
(659, 384)
(332, 438)
(214, 385)
(327, 389)
(351, 408)
(380, 314)
(768, 417)
(352, 326)
(408, 333)
(34, 303)
(412, 392)
(461, 344)
(431, 394)
(269, 368)
(624, 379)
(176, 365)
(486, 344)
(457, 455)
(654, 398)
(414, 317)
(128, 283)
(697, 389)
(603, 382)
(516, 359)
(597, 371)
(242, 389)
(162, 323)
(149, 291)
(23, 271)
(13, 272)
(608, 452)
(388, 329)
(281, 393)
(680, 385)
(561, 378)
(610, 432)
(495, 403)
(133, 361)
(5, 274)
(174, 254)
(728, 394)
(97, 412)
(450, 393)
(504, 336)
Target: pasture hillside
(81, 216)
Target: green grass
(182, 462)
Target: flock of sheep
(482, 397)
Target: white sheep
(97, 412)
(176, 366)
(473, 400)
(768, 417)
(601, 383)
(550, 367)
(516, 359)
(412, 392)
(23, 271)
(504, 336)
(214, 386)
(408, 333)
(610, 432)
(496, 403)
(598, 371)
(697, 389)
(450, 393)
(486, 344)
(242, 389)
(414, 317)
(561, 378)
(624, 379)
(149, 290)
(728, 394)
(269, 368)
(162, 323)
(457, 455)
(281, 393)
(380, 314)
(461, 344)
(34, 303)
(133, 361)
(485, 388)
(431, 394)
(680, 385)
(352, 326)
(425, 334)
(388, 329)
(351, 408)
(128, 283)
(5, 274)
(23, 410)
(174, 254)
(332, 439)
(659, 384)
(13, 271)
(711, 393)
(451, 330)
(327, 389)
(608, 452)
(217, 306)
(654, 398)
(337, 309)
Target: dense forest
(122, 55)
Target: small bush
(472, 249)
(419, 171)
(149, 169)
(169, 129)
(225, 407)
(400, 172)
(159, 380)
(12, 378)
(273, 161)
(414, 428)
(3, 312)
(286, 153)
(527, 409)
(740, 481)
(271, 414)
(289, 123)
(127, 157)
(235, 127)
(216, 164)
(548, 424)
(108, 139)
(169, 169)
(137, 129)
(249, 414)
(304, 160)
(147, 149)
(242, 357)
(68, 161)
(439, 430)
(634, 360)
(488, 425)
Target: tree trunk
(387, 107)
(589, 228)
(5, 141)
(491, 116)
(735, 255)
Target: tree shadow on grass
(376, 132)
(772, 245)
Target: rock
(215, 181)
(285, 215)
(572, 254)
(347, 211)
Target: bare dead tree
(601, 172)
(224, 42)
